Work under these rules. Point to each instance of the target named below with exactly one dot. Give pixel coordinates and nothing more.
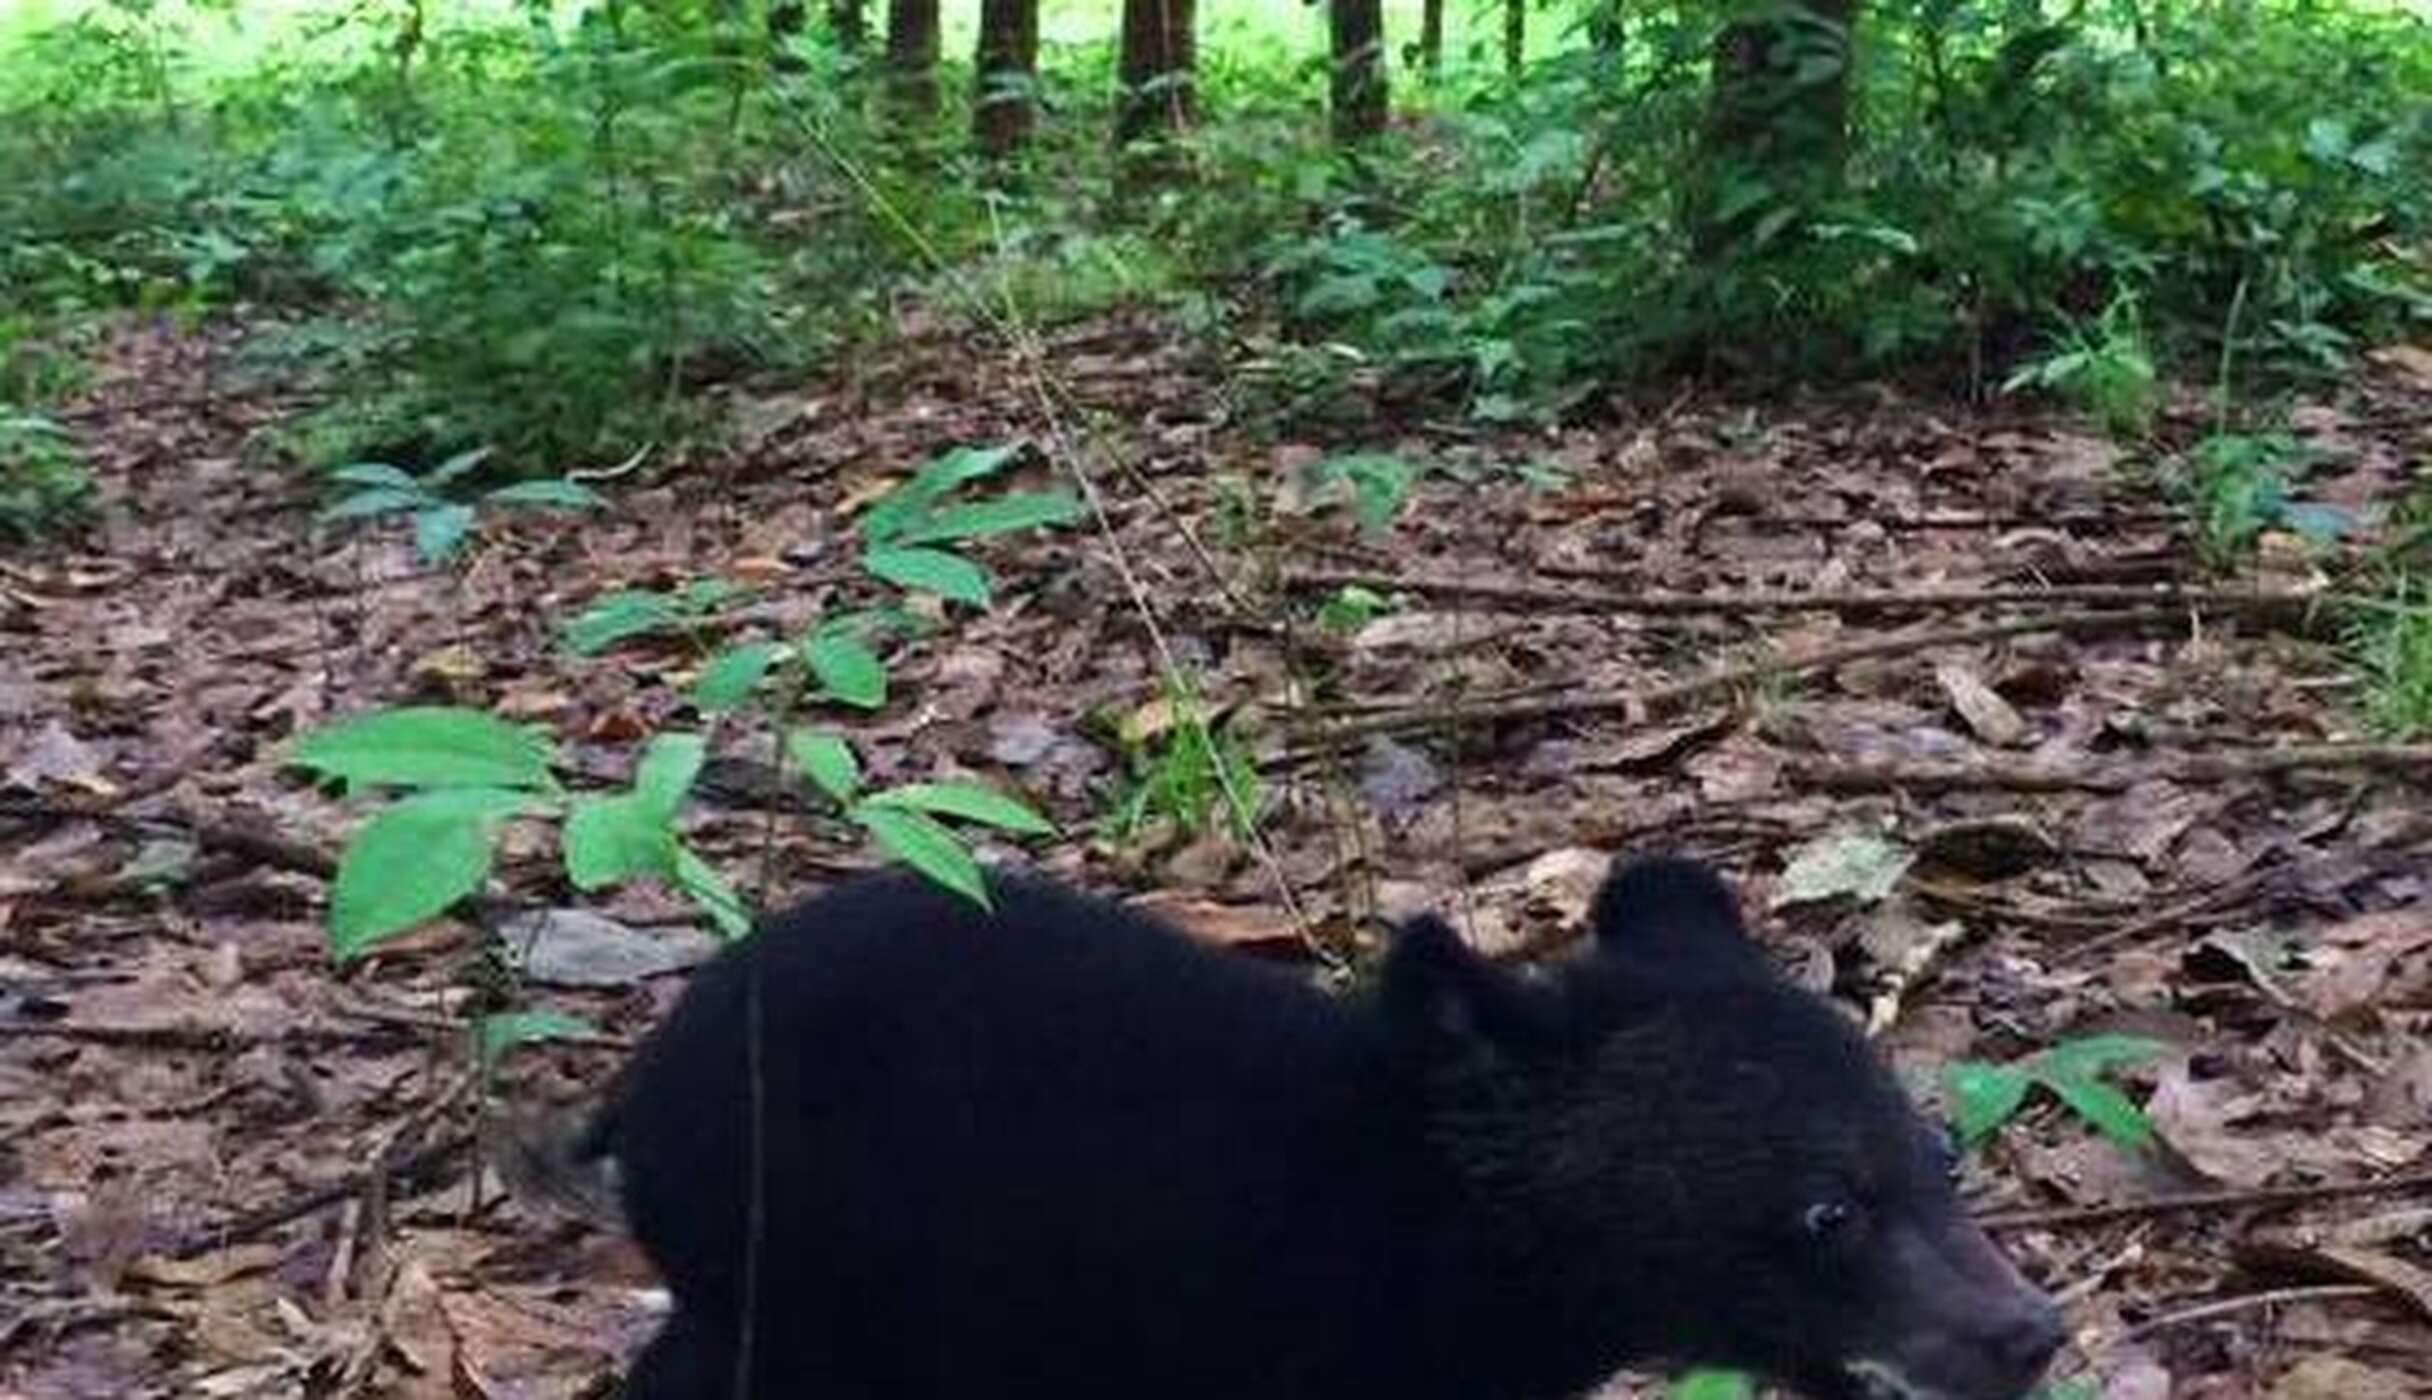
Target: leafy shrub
(42, 479)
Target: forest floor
(2118, 795)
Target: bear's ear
(1669, 914)
(1439, 994)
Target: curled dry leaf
(1986, 713)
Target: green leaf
(1351, 608)
(947, 575)
(1709, 1384)
(457, 466)
(411, 862)
(969, 801)
(380, 500)
(911, 501)
(429, 746)
(1016, 510)
(609, 840)
(731, 676)
(669, 764)
(829, 761)
(847, 668)
(612, 619)
(1380, 483)
(568, 494)
(2109, 1110)
(1984, 1096)
(702, 596)
(502, 1031)
(439, 530)
(922, 842)
(375, 474)
(708, 889)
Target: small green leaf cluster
(42, 476)
(1985, 1096)
(441, 519)
(467, 773)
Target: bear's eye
(1829, 1218)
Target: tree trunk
(1431, 39)
(1515, 36)
(1005, 76)
(1357, 92)
(912, 55)
(1156, 70)
(1778, 118)
(849, 21)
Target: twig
(209, 835)
(1666, 697)
(2064, 1216)
(1664, 603)
(1939, 520)
(254, 1222)
(189, 1036)
(1951, 777)
(2191, 770)
(2233, 892)
(2247, 1302)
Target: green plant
(1985, 1096)
(1352, 607)
(465, 774)
(1712, 1385)
(1379, 483)
(441, 520)
(2106, 366)
(640, 612)
(1183, 770)
(905, 537)
(905, 819)
(2238, 488)
(42, 480)
(2393, 639)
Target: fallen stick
(1663, 603)
(1661, 698)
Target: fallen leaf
(1986, 713)
(1220, 925)
(1857, 864)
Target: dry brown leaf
(2361, 964)
(2194, 1117)
(1221, 925)
(2413, 362)
(1986, 713)
(204, 1270)
(2338, 1378)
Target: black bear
(898, 1146)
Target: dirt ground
(2118, 794)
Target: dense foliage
(542, 233)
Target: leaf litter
(228, 1170)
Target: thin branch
(2192, 770)
(1664, 603)
(2185, 1202)
(1668, 697)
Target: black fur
(1058, 1151)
